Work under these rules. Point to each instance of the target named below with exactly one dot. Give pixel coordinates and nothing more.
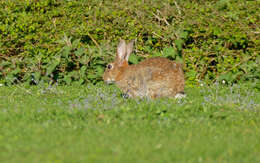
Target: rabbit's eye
(109, 66)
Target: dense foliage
(72, 41)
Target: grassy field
(71, 42)
(95, 124)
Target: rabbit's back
(154, 77)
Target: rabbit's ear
(121, 51)
(129, 49)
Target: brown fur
(154, 77)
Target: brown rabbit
(152, 78)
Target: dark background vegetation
(72, 41)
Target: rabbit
(152, 78)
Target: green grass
(95, 124)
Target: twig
(178, 7)
(157, 35)
(160, 19)
(95, 42)
(2, 56)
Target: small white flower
(1, 85)
(223, 81)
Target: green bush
(72, 41)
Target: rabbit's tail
(180, 95)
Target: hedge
(68, 42)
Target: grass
(95, 124)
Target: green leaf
(133, 59)
(81, 81)
(51, 67)
(16, 71)
(66, 51)
(170, 52)
(36, 76)
(79, 52)
(91, 76)
(179, 43)
(67, 79)
(99, 70)
(83, 69)
(75, 43)
(184, 35)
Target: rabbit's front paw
(125, 95)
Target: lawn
(95, 124)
